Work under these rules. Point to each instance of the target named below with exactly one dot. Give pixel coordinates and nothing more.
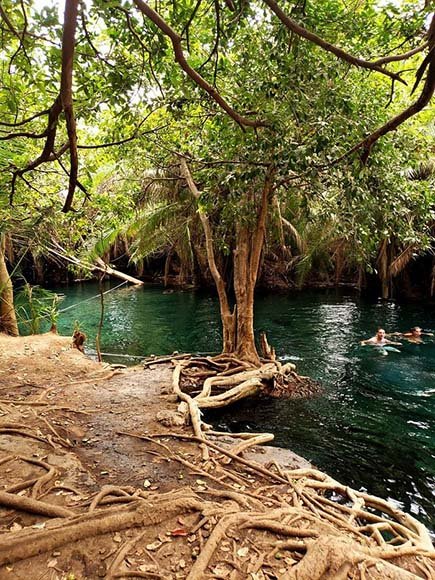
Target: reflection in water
(375, 424)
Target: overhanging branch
(43, 158)
(399, 57)
(68, 44)
(315, 39)
(192, 73)
(25, 121)
(423, 100)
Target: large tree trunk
(227, 316)
(244, 286)
(238, 322)
(250, 241)
(8, 320)
(383, 263)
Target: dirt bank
(92, 485)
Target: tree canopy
(328, 102)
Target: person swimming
(380, 339)
(414, 335)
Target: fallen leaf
(179, 532)
(39, 526)
(147, 483)
(242, 552)
(221, 571)
(52, 564)
(154, 546)
(148, 568)
(117, 538)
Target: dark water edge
(374, 426)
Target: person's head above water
(416, 331)
(380, 338)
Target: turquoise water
(374, 426)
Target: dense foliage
(96, 112)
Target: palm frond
(157, 185)
(155, 227)
(423, 172)
(300, 243)
(103, 243)
(402, 260)
(152, 217)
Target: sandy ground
(71, 414)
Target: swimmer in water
(414, 335)
(380, 339)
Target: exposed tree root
(122, 553)
(93, 380)
(163, 360)
(232, 519)
(239, 380)
(37, 483)
(15, 547)
(330, 558)
(328, 544)
(365, 517)
(23, 433)
(33, 506)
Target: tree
(8, 320)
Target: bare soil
(93, 486)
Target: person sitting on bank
(415, 334)
(380, 339)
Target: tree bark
(8, 319)
(167, 267)
(249, 247)
(383, 267)
(103, 267)
(227, 316)
(238, 323)
(244, 285)
(66, 94)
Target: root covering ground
(102, 477)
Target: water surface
(374, 427)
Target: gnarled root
(333, 558)
(15, 547)
(234, 381)
(33, 506)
